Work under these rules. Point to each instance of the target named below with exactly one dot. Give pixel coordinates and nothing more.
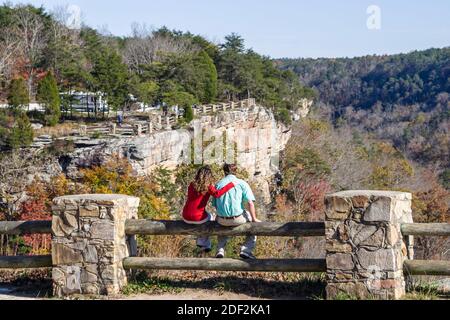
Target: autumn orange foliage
(36, 208)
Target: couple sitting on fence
(230, 196)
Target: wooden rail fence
(427, 267)
(26, 262)
(261, 265)
(133, 227)
(292, 229)
(426, 229)
(268, 229)
(25, 227)
(157, 122)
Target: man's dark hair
(229, 169)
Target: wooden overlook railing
(159, 122)
(85, 227)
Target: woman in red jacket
(199, 194)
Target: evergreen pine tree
(188, 113)
(21, 134)
(48, 95)
(207, 73)
(18, 96)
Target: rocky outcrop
(251, 137)
(304, 107)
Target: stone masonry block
(62, 254)
(337, 208)
(383, 259)
(380, 210)
(361, 201)
(90, 211)
(335, 246)
(351, 289)
(340, 261)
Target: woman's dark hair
(203, 180)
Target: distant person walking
(120, 118)
(165, 109)
(231, 211)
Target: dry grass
(60, 130)
(257, 284)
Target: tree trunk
(87, 106)
(95, 107)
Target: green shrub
(284, 116)
(21, 134)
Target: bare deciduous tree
(8, 49)
(29, 30)
(64, 39)
(147, 46)
(15, 169)
(349, 170)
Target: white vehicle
(85, 101)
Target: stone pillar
(204, 109)
(232, 105)
(214, 108)
(168, 125)
(89, 243)
(365, 249)
(224, 107)
(113, 128)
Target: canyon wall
(249, 137)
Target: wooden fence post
(150, 128)
(89, 243)
(83, 130)
(138, 129)
(364, 244)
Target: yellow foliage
(317, 126)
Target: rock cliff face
(251, 138)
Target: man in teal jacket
(231, 210)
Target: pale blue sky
(283, 28)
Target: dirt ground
(172, 285)
(178, 286)
(11, 293)
(191, 294)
